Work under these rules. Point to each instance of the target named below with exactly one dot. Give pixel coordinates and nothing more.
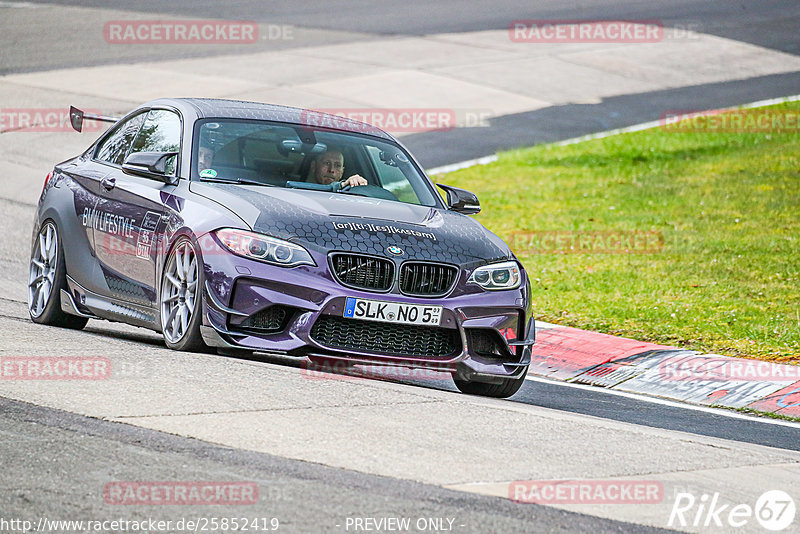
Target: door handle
(108, 183)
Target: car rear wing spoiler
(77, 116)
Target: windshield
(263, 153)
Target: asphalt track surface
(63, 459)
(770, 23)
(304, 497)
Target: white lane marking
(444, 169)
(654, 124)
(663, 402)
(28, 5)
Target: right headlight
(263, 248)
(504, 275)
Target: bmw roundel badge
(395, 250)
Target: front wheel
(47, 277)
(181, 287)
(504, 389)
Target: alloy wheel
(178, 291)
(41, 278)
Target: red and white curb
(583, 357)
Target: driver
(328, 167)
(205, 155)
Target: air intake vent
(385, 338)
(487, 343)
(421, 279)
(363, 272)
(268, 321)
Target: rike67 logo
(774, 510)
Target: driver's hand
(354, 181)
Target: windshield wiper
(333, 187)
(368, 190)
(311, 186)
(246, 181)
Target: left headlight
(264, 248)
(504, 275)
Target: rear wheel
(181, 286)
(47, 277)
(504, 389)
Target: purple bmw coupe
(251, 227)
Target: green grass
(770, 415)
(727, 279)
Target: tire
(503, 390)
(46, 278)
(180, 298)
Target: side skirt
(80, 301)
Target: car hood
(344, 222)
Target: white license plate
(392, 312)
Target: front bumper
(298, 312)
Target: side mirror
(461, 200)
(150, 165)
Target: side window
(391, 176)
(116, 146)
(161, 132)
